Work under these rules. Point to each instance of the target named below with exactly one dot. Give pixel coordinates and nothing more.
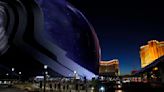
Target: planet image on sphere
(52, 33)
(68, 29)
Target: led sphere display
(53, 32)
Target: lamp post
(46, 73)
(45, 68)
(75, 74)
(19, 75)
(13, 69)
(7, 74)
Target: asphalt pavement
(10, 90)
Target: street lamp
(12, 69)
(20, 73)
(75, 74)
(45, 73)
(45, 66)
(102, 89)
(7, 74)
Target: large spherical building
(50, 32)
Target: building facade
(109, 68)
(150, 52)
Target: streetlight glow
(45, 66)
(75, 72)
(46, 72)
(20, 73)
(7, 74)
(102, 89)
(12, 69)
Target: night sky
(122, 27)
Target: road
(10, 90)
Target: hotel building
(150, 52)
(109, 68)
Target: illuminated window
(155, 69)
